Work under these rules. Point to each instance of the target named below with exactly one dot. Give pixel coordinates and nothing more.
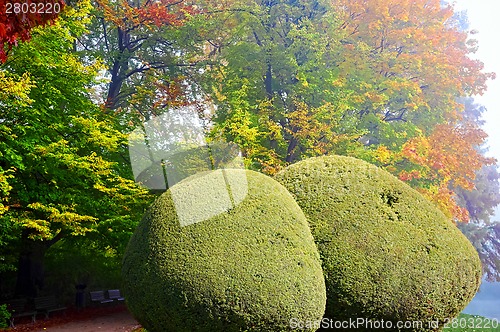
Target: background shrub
(4, 316)
(387, 252)
(253, 268)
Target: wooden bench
(98, 296)
(114, 294)
(46, 305)
(17, 308)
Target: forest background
(392, 83)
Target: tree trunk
(30, 273)
(118, 70)
(268, 82)
(290, 154)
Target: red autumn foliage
(17, 18)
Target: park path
(114, 322)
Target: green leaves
(274, 81)
(62, 171)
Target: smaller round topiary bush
(387, 253)
(252, 268)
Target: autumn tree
(17, 19)
(427, 64)
(147, 57)
(275, 85)
(480, 204)
(371, 79)
(448, 158)
(62, 156)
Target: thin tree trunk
(290, 155)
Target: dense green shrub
(253, 268)
(387, 252)
(4, 316)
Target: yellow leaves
(117, 16)
(99, 133)
(447, 157)
(339, 82)
(417, 150)
(242, 129)
(40, 229)
(314, 128)
(71, 62)
(62, 154)
(376, 98)
(405, 17)
(383, 154)
(357, 99)
(405, 45)
(80, 11)
(454, 152)
(52, 148)
(219, 96)
(15, 89)
(5, 188)
(55, 220)
(98, 164)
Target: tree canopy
(387, 82)
(60, 156)
(371, 79)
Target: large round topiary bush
(252, 268)
(387, 253)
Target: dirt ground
(121, 321)
(106, 319)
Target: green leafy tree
(148, 55)
(276, 85)
(62, 154)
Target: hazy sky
(484, 16)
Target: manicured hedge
(387, 253)
(253, 268)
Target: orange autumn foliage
(447, 157)
(407, 62)
(409, 49)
